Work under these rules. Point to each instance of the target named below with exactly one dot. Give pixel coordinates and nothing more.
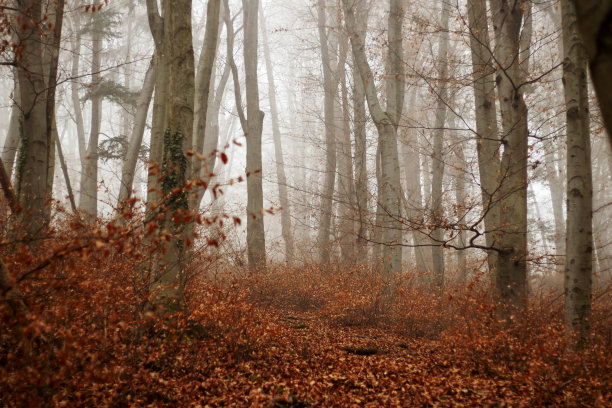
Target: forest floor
(289, 337)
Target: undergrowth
(289, 336)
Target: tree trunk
(169, 279)
(438, 156)
(256, 240)
(486, 125)
(346, 184)
(204, 81)
(278, 149)
(359, 131)
(330, 85)
(11, 143)
(579, 239)
(88, 201)
(512, 273)
(386, 124)
(140, 121)
(158, 127)
(76, 100)
(32, 164)
(593, 17)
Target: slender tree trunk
(459, 176)
(512, 273)
(438, 156)
(556, 185)
(278, 149)
(386, 123)
(579, 240)
(140, 121)
(330, 85)
(74, 88)
(486, 125)
(346, 184)
(60, 155)
(158, 127)
(212, 132)
(11, 143)
(204, 82)
(359, 130)
(88, 202)
(252, 125)
(414, 196)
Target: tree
(252, 125)
(386, 122)
(36, 66)
(511, 278)
(88, 202)
(278, 148)
(135, 143)
(173, 37)
(486, 124)
(579, 238)
(330, 85)
(438, 156)
(593, 18)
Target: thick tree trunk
(579, 240)
(486, 125)
(88, 201)
(170, 276)
(438, 156)
(593, 17)
(330, 85)
(512, 273)
(278, 149)
(32, 164)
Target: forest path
(311, 360)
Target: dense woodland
(305, 203)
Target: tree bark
(32, 164)
(512, 273)
(579, 239)
(169, 279)
(593, 17)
